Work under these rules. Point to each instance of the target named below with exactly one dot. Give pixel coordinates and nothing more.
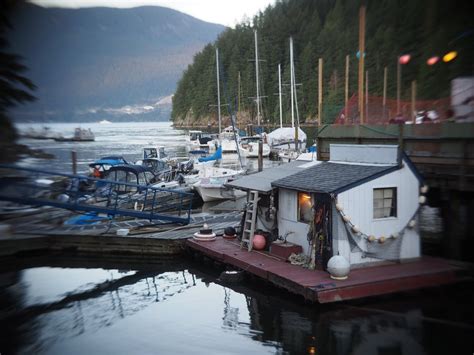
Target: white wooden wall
(288, 219)
(358, 204)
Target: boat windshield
(194, 135)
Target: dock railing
(38, 187)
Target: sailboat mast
(292, 84)
(218, 90)
(256, 74)
(279, 94)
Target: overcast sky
(225, 12)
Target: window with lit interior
(304, 207)
(385, 202)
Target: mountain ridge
(100, 58)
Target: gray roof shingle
(330, 177)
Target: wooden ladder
(250, 221)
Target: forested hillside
(328, 29)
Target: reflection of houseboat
(80, 135)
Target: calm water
(55, 306)
(126, 139)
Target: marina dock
(317, 286)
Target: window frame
(394, 203)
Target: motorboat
(249, 147)
(228, 138)
(212, 180)
(198, 140)
(80, 135)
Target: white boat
(228, 142)
(212, 180)
(80, 135)
(105, 122)
(198, 140)
(284, 138)
(249, 147)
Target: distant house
(362, 204)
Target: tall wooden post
(367, 95)
(320, 91)
(413, 101)
(346, 93)
(384, 101)
(260, 155)
(399, 83)
(361, 61)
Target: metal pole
(74, 162)
(256, 74)
(218, 91)
(413, 101)
(260, 155)
(361, 61)
(279, 95)
(292, 84)
(320, 91)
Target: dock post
(260, 156)
(74, 162)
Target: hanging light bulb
(404, 59)
(422, 200)
(450, 56)
(433, 60)
(424, 189)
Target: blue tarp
(216, 156)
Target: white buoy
(338, 267)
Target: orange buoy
(259, 242)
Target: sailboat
(211, 179)
(289, 141)
(249, 146)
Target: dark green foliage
(329, 29)
(14, 87)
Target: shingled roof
(330, 177)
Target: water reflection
(179, 307)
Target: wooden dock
(144, 238)
(317, 286)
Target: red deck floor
(317, 286)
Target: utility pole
(361, 61)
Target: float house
(362, 205)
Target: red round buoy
(259, 242)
